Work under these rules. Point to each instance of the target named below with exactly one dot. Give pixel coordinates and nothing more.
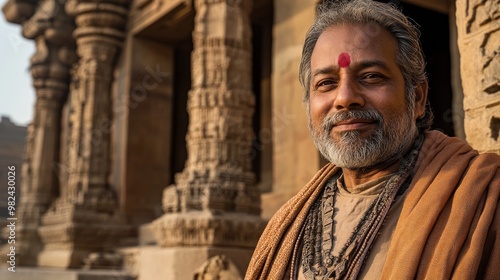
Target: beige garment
(350, 205)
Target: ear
(421, 99)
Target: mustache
(365, 114)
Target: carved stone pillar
(478, 23)
(85, 218)
(51, 28)
(216, 189)
(215, 201)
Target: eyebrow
(372, 63)
(325, 70)
(358, 65)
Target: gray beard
(390, 140)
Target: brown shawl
(449, 226)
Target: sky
(17, 95)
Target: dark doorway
(262, 32)
(435, 38)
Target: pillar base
(62, 258)
(207, 228)
(71, 233)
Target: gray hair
(409, 54)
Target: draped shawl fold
(449, 227)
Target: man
(396, 201)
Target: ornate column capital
(99, 21)
(99, 35)
(52, 29)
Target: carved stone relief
(490, 48)
(480, 13)
(478, 24)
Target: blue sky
(17, 95)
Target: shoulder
(443, 152)
(449, 168)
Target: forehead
(360, 41)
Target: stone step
(28, 273)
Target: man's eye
(373, 78)
(325, 84)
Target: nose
(348, 94)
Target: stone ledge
(27, 273)
(181, 263)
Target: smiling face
(359, 115)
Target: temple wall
(295, 158)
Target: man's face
(358, 112)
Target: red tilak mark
(344, 60)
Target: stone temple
(167, 132)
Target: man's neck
(355, 177)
